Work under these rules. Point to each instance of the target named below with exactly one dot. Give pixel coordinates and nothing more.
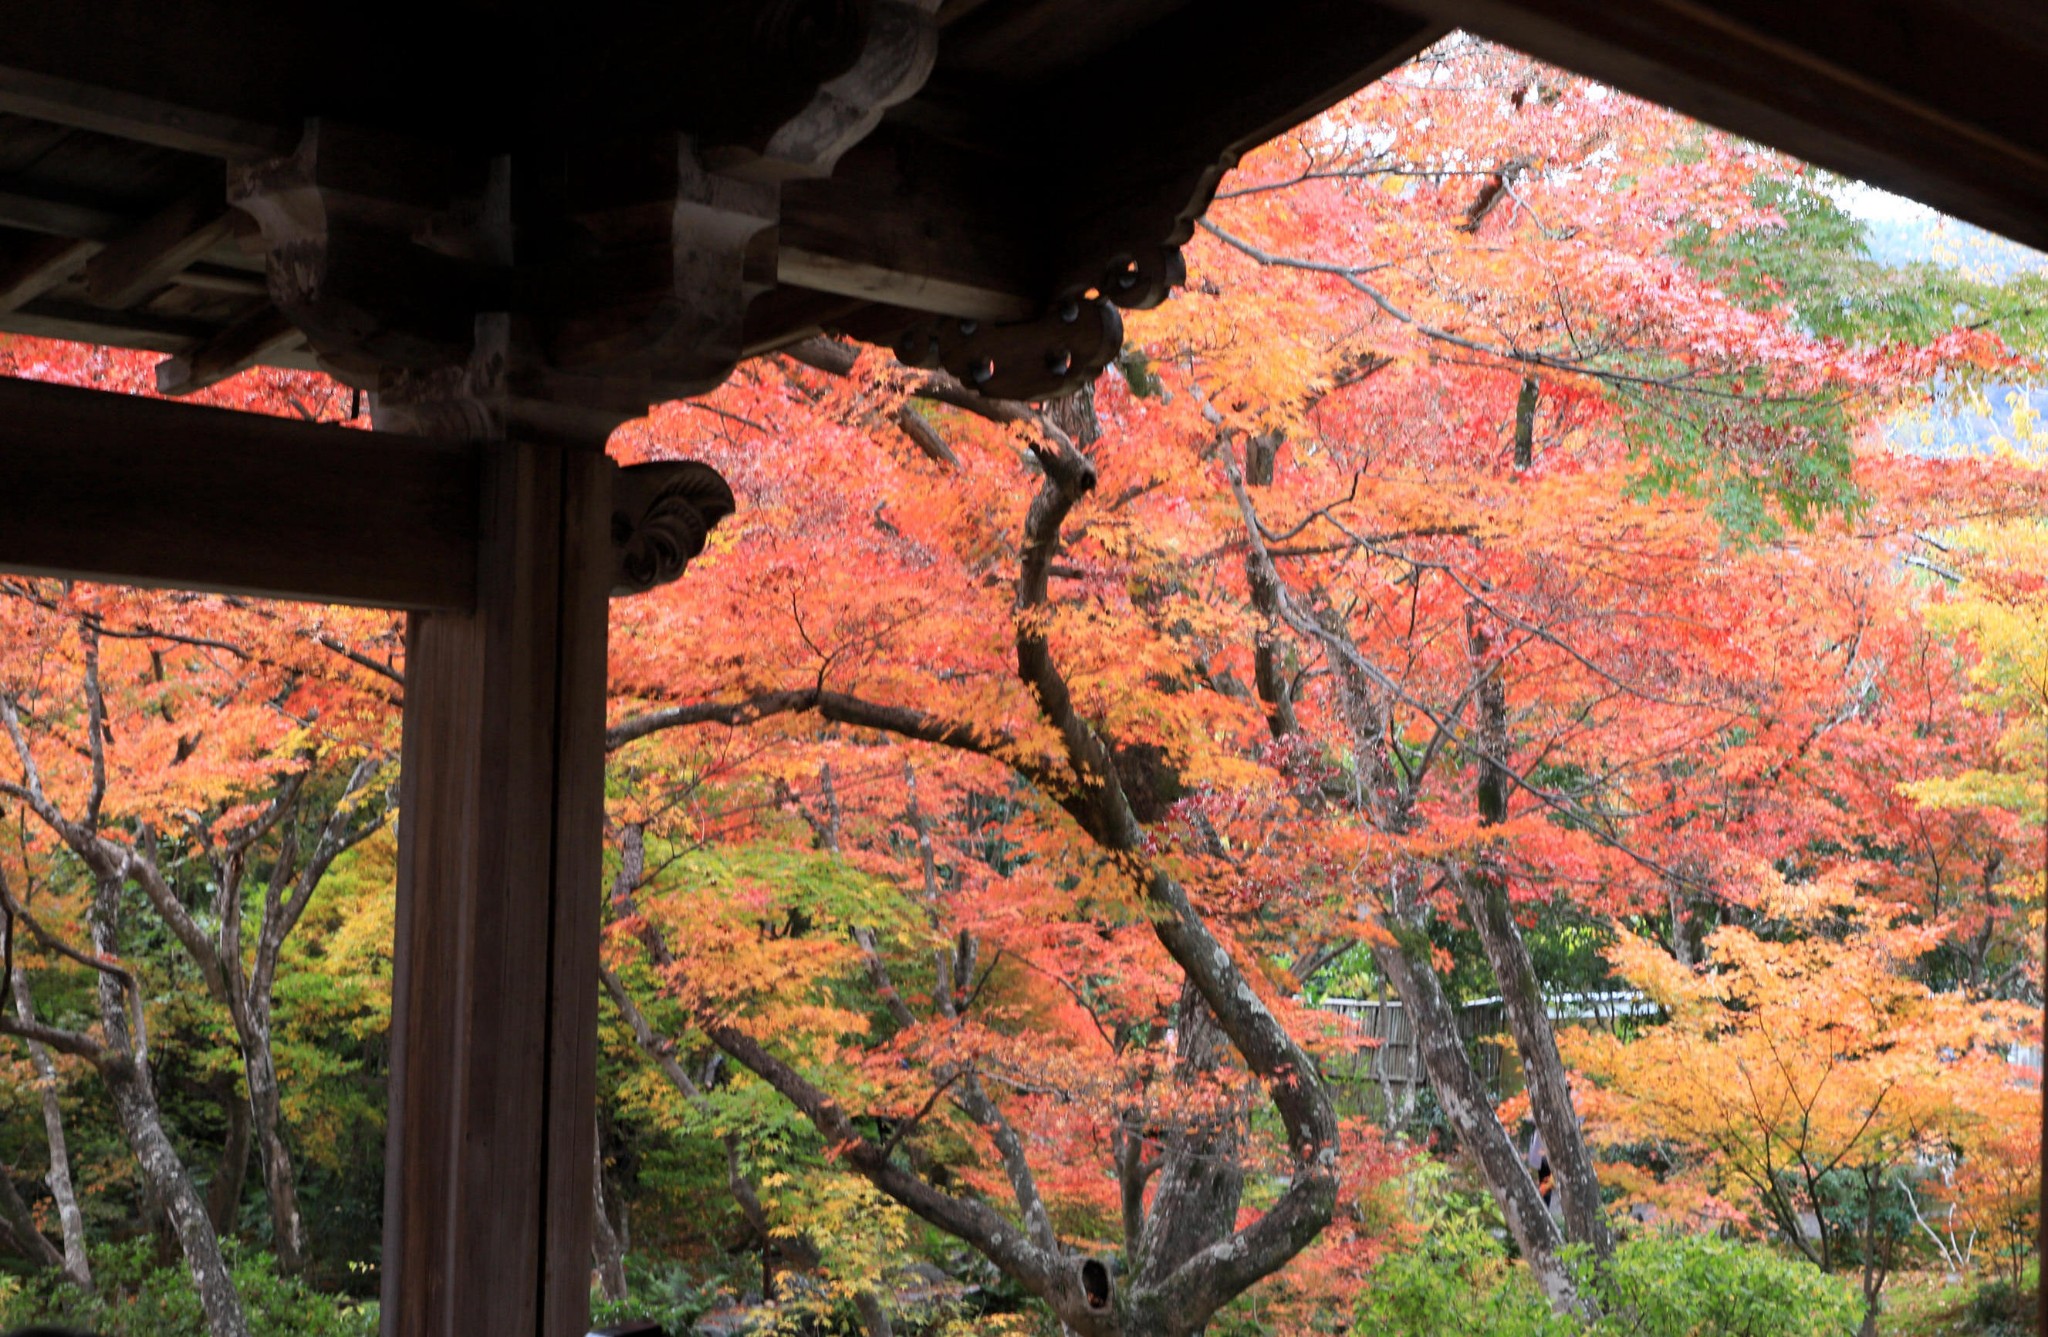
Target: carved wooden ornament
(625, 261)
(662, 513)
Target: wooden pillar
(487, 1204)
(494, 1028)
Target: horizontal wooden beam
(217, 278)
(53, 317)
(145, 258)
(58, 218)
(39, 264)
(118, 488)
(917, 292)
(914, 222)
(1935, 99)
(257, 337)
(146, 119)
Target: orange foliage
(1682, 705)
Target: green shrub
(1700, 1286)
(137, 1298)
(660, 1291)
(1458, 1279)
(1997, 1308)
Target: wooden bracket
(630, 259)
(356, 227)
(1056, 354)
(901, 43)
(669, 255)
(662, 513)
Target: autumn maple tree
(1456, 548)
(187, 768)
(1804, 1076)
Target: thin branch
(1517, 356)
(359, 659)
(68, 1042)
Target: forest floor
(1929, 1304)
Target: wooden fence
(1375, 1062)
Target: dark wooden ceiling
(1051, 137)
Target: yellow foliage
(2000, 607)
(1801, 1048)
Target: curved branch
(198, 945)
(71, 1042)
(30, 790)
(1093, 795)
(337, 836)
(994, 1236)
(1523, 357)
(1342, 652)
(74, 1043)
(1215, 1274)
(361, 660)
(837, 708)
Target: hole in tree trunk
(1095, 1283)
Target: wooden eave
(1051, 137)
(1937, 100)
(1050, 148)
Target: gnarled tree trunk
(126, 1073)
(1381, 798)
(142, 1126)
(224, 1192)
(1468, 1108)
(1483, 890)
(70, 1221)
(1201, 1171)
(18, 1224)
(608, 1242)
(248, 992)
(1087, 1294)
(120, 1053)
